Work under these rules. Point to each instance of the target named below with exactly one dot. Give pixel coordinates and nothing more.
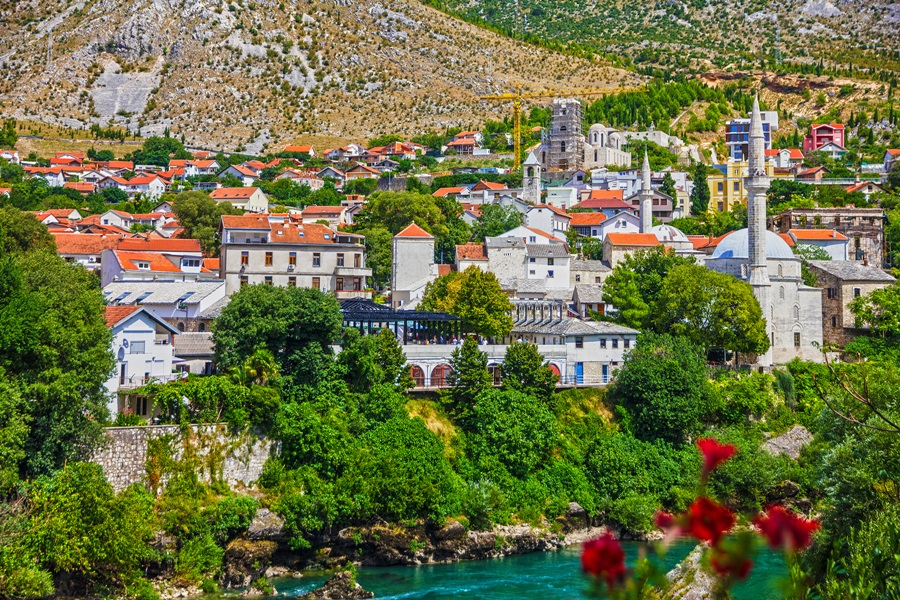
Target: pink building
(819, 135)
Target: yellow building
(726, 184)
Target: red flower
(664, 520)
(708, 521)
(731, 565)
(604, 557)
(714, 453)
(786, 530)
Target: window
(721, 187)
(531, 272)
(627, 343)
(340, 259)
(737, 186)
(834, 321)
(245, 257)
(357, 261)
(268, 280)
(550, 262)
(137, 347)
(317, 259)
(796, 339)
(579, 342)
(832, 292)
(550, 274)
(292, 259)
(243, 280)
(857, 292)
(316, 283)
(143, 266)
(577, 278)
(603, 342)
(292, 281)
(615, 343)
(721, 206)
(268, 259)
(532, 239)
(190, 262)
(339, 284)
(796, 313)
(202, 327)
(781, 293)
(531, 260)
(597, 280)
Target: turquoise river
(539, 576)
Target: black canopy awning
(364, 310)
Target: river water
(539, 576)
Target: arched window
(440, 376)
(780, 270)
(796, 312)
(595, 156)
(781, 292)
(202, 327)
(418, 375)
(531, 171)
(180, 326)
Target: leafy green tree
(476, 297)
(8, 134)
(782, 192)
(379, 254)
(288, 192)
(20, 232)
(396, 210)
(384, 140)
(114, 195)
(371, 360)
(159, 151)
(711, 309)
(282, 320)
(662, 388)
(55, 343)
(361, 186)
(808, 252)
(14, 420)
(894, 177)
(668, 185)
(524, 370)
(100, 155)
(469, 375)
(496, 219)
(635, 283)
(700, 195)
(11, 173)
(517, 429)
(201, 216)
(880, 310)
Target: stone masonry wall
(235, 459)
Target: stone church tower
(531, 180)
(646, 196)
(756, 184)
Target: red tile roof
(157, 261)
(470, 252)
(787, 239)
(116, 314)
(211, 263)
(489, 185)
(603, 203)
(607, 195)
(553, 209)
(159, 245)
(831, 125)
(475, 209)
(862, 185)
(323, 210)
(587, 219)
(414, 231)
(298, 149)
(245, 171)
(632, 239)
(817, 234)
(543, 233)
(446, 191)
(245, 222)
(894, 152)
(294, 233)
(233, 193)
(85, 243)
(444, 270)
(699, 241)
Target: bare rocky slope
(255, 74)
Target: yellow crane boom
(517, 96)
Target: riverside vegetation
(357, 449)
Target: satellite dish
(125, 343)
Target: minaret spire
(646, 196)
(757, 184)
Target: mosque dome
(666, 234)
(737, 245)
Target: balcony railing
(136, 381)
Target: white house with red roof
(307, 178)
(891, 158)
(144, 347)
(549, 218)
(250, 199)
(363, 172)
(309, 150)
(157, 259)
(835, 243)
(334, 216)
(54, 176)
(85, 249)
(10, 156)
(289, 254)
(413, 266)
(785, 158)
(247, 176)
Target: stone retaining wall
(235, 459)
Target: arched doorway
(418, 375)
(440, 376)
(555, 369)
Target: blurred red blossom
(784, 529)
(714, 453)
(708, 521)
(604, 557)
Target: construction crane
(518, 95)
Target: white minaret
(757, 184)
(646, 195)
(531, 180)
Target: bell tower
(531, 180)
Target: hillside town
(584, 204)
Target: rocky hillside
(692, 33)
(251, 73)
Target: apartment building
(255, 250)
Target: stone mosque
(793, 310)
